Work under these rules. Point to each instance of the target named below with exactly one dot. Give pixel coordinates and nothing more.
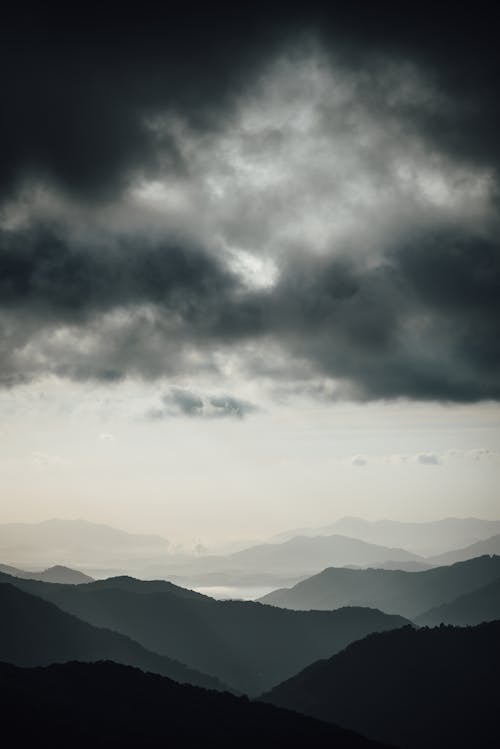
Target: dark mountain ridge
(34, 632)
(107, 705)
(429, 688)
(482, 605)
(247, 645)
(394, 591)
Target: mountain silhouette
(81, 705)
(482, 605)
(34, 632)
(427, 688)
(304, 554)
(278, 564)
(424, 538)
(246, 645)
(78, 543)
(487, 546)
(56, 574)
(394, 591)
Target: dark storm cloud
(423, 323)
(79, 84)
(45, 273)
(80, 95)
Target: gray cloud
(182, 402)
(428, 459)
(317, 215)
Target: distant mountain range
(102, 551)
(482, 605)
(296, 558)
(421, 689)
(422, 538)
(487, 546)
(81, 705)
(394, 591)
(246, 645)
(56, 574)
(34, 632)
(77, 543)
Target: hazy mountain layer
(77, 543)
(56, 574)
(247, 645)
(34, 632)
(106, 705)
(393, 591)
(487, 546)
(482, 605)
(423, 538)
(414, 688)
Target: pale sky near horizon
(249, 271)
(81, 451)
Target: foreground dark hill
(481, 605)
(56, 574)
(35, 633)
(246, 645)
(394, 591)
(414, 688)
(81, 705)
(487, 546)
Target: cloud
(428, 459)
(323, 209)
(182, 402)
(359, 461)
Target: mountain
(482, 605)
(246, 645)
(304, 553)
(34, 632)
(422, 538)
(394, 591)
(131, 584)
(77, 543)
(281, 562)
(420, 689)
(487, 546)
(56, 574)
(83, 705)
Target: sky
(249, 265)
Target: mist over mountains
(100, 551)
(422, 538)
(348, 646)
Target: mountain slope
(56, 574)
(487, 546)
(424, 538)
(416, 688)
(304, 553)
(34, 632)
(77, 543)
(106, 705)
(247, 645)
(394, 591)
(481, 605)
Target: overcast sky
(249, 266)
